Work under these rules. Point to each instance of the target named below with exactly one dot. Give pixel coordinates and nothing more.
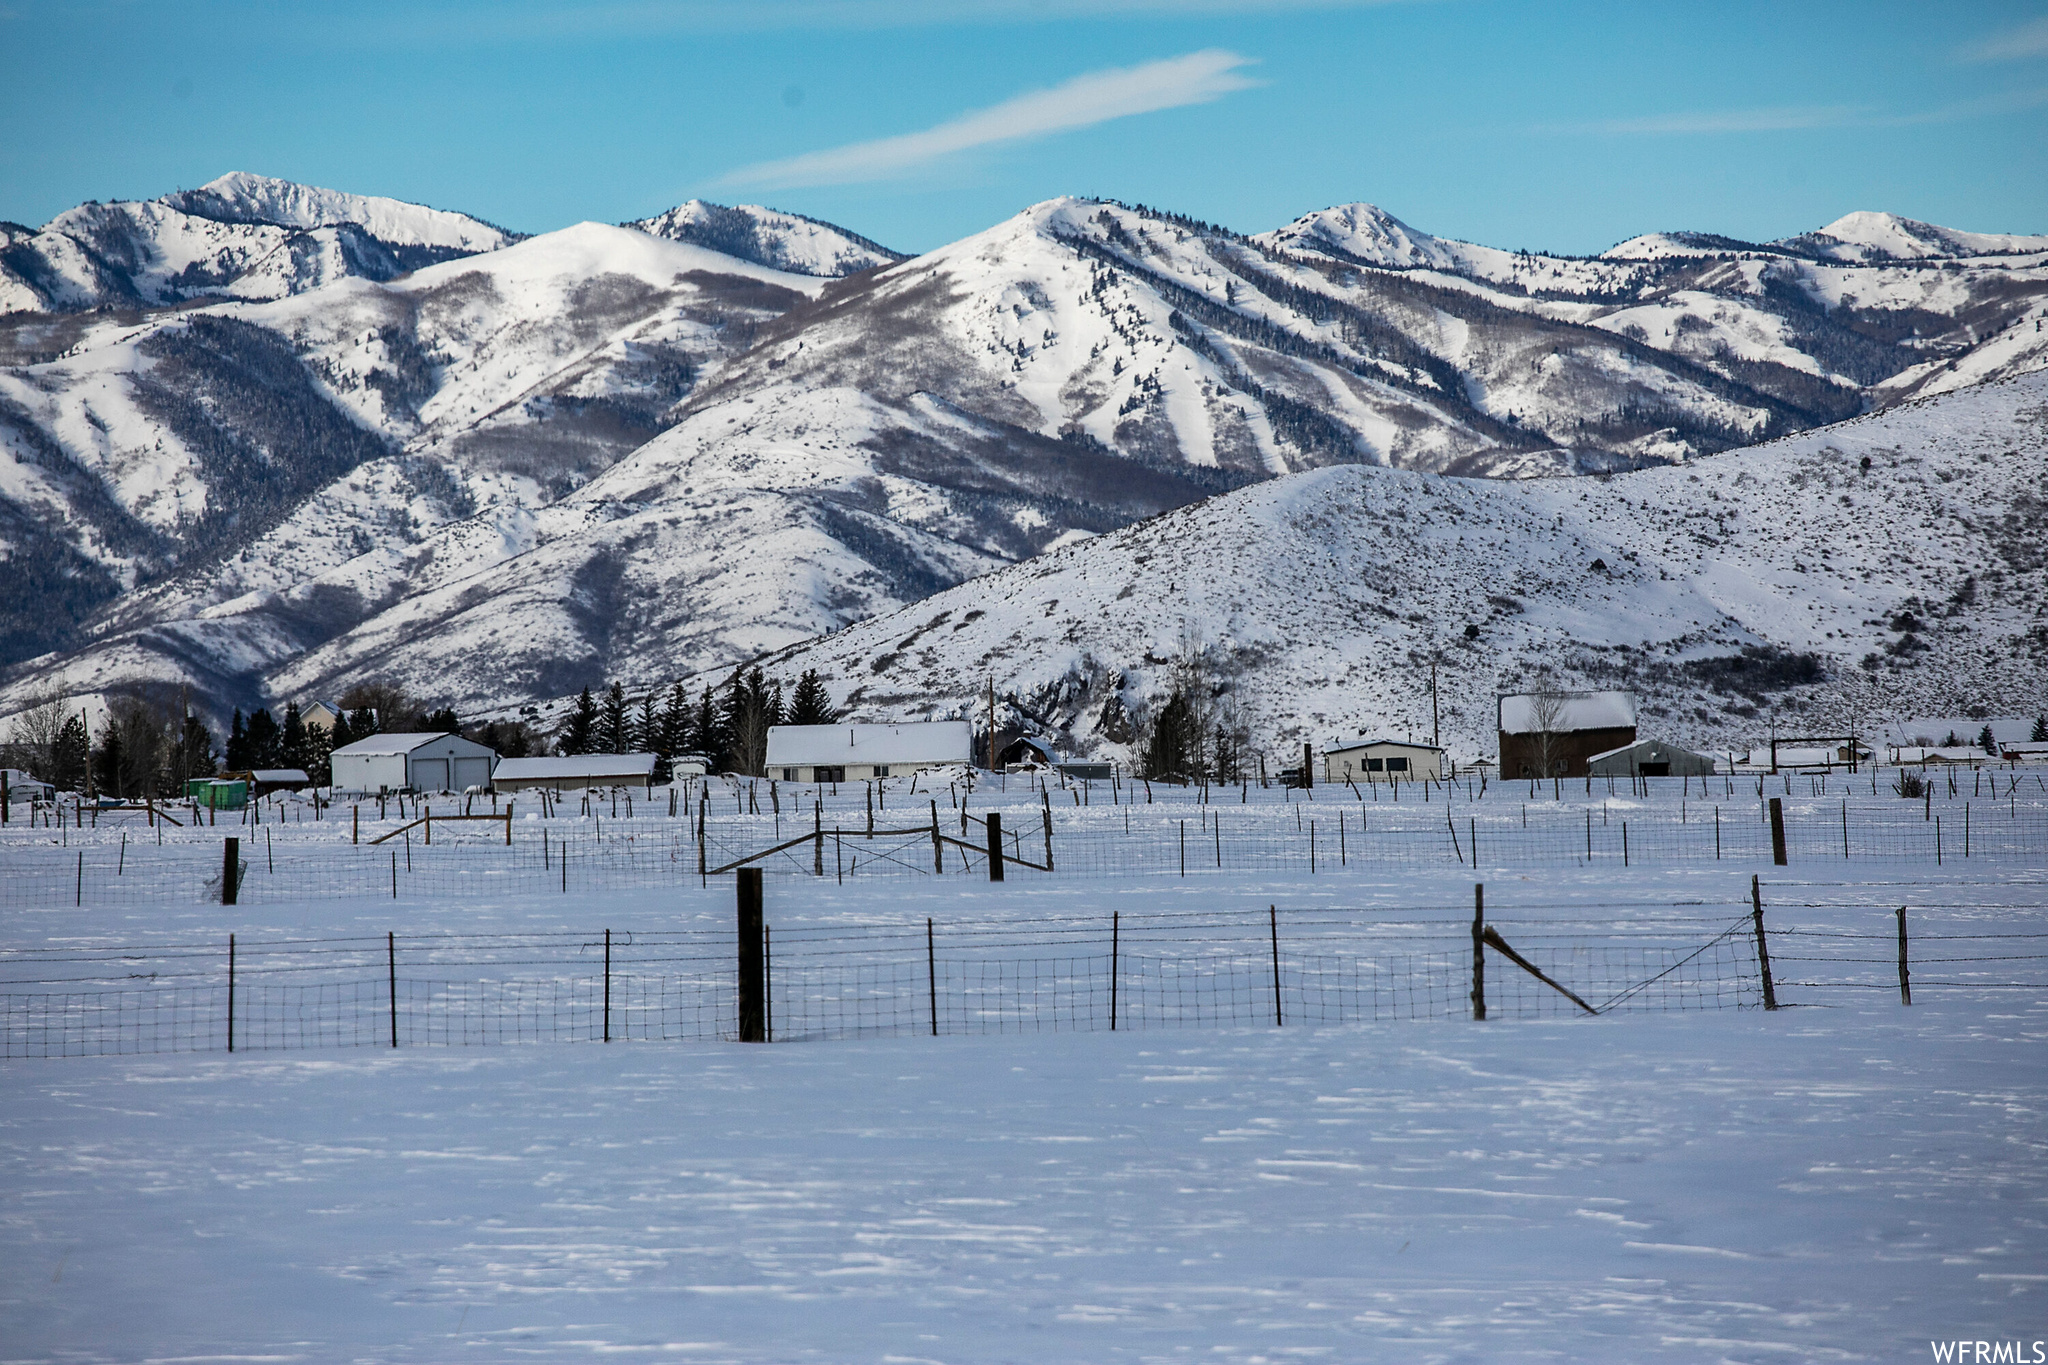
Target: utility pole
(1436, 724)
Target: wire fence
(1331, 837)
(1165, 970)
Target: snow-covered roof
(1578, 711)
(807, 746)
(574, 766)
(1654, 746)
(280, 775)
(379, 746)
(1345, 746)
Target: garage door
(430, 774)
(472, 772)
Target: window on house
(1397, 765)
(881, 770)
(1375, 765)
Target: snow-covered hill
(783, 241)
(244, 236)
(640, 451)
(1887, 567)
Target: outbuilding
(1382, 760)
(264, 781)
(433, 761)
(1025, 752)
(1650, 758)
(575, 772)
(852, 753)
(1554, 733)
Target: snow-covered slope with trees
(1886, 567)
(245, 236)
(784, 241)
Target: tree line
(727, 727)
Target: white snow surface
(786, 241)
(1843, 1180)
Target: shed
(434, 761)
(1382, 760)
(1087, 772)
(23, 786)
(850, 753)
(1650, 758)
(1026, 751)
(264, 781)
(573, 772)
(689, 765)
(1561, 731)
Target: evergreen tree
(707, 732)
(614, 722)
(264, 740)
(109, 760)
(69, 755)
(294, 746)
(2040, 735)
(811, 704)
(581, 728)
(647, 727)
(1169, 750)
(191, 756)
(362, 723)
(342, 734)
(674, 736)
(238, 743)
(1986, 742)
(443, 720)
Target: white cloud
(2028, 40)
(1086, 100)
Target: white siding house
(432, 762)
(851, 753)
(1382, 760)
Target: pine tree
(342, 734)
(443, 721)
(294, 747)
(1168, 752)
(647, 728)
(192, 756)
(69, 756)
(1987, 742)
(675, 724)
(238, 743)
(581, 728)
(264, 740)
(108, 761)
(614, 725)
(2040, 735)
(707, 733)
(811, 704)
(362, 723)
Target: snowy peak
(781, 241)
(1867, 236)
(1363, 234)
(239, 197)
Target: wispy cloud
(1796, 118)
(1097, 97)
(2017, 44)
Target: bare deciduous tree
(1547, 704)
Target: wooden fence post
(230, 870)
(995, 846)
(1763, 949)
(1046, 816)
(938, 849)
(1479, 951)
(753, 1015)
(1905, 978)
(1778, 831)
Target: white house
(1382, 760)
(574, 772)
(850, 753)
(431, 762)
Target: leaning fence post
(1905, 979)
(391, 977)
(1273, 926)
(1479, 950)
(231, 990)
(753, 1019)
(230, 868)
(995, 846)
(1778, 831)
(1763, 950)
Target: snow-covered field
(1848, 1179)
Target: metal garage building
(432, 762)
(575, 772)
(1650, 758)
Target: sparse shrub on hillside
(1910, 784)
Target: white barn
(1650, 758)
(431, 762)
(575, 772)
(852, 753)
(1382, 760)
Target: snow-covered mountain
(782, 241)
(1887, 567)
(628, 452)
(242, 236)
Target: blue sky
(1564, 126)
